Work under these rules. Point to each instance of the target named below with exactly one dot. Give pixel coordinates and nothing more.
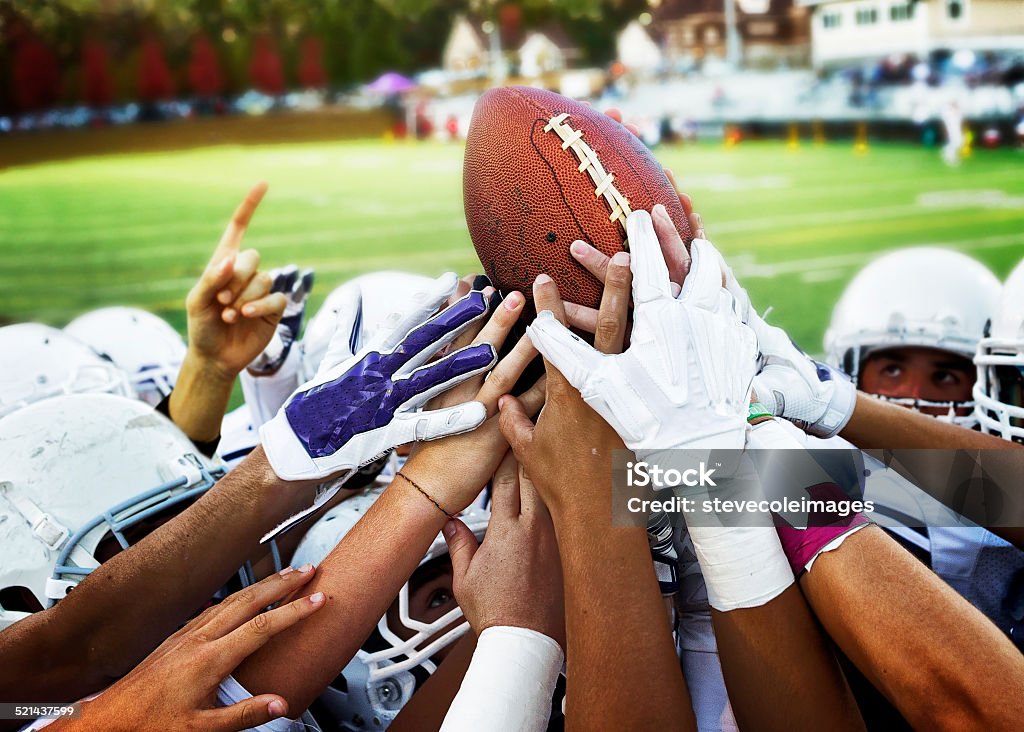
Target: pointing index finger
(231, 240)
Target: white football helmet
(999, 390)
(79, 475)
(383, 293)
(141, 344)
(381, 678)
(37, 362)
(921, 296)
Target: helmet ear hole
(19, 599)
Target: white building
(852, 30)
(637, 50)
(465, 51)
(539, 55)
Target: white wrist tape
(509, 683)
(743, 566)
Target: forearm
(131, 603)
(779, 670)
(429, 705)
(619, 647)
(938, 659)
(361, 577)
(877, 424)
(200, 398)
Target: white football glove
(685, 380)
(814, 396)
(361, 405)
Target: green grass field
(796, 225)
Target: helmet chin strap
(48, 530)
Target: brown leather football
(540, 172)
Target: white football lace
(589, 162)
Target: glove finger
(428, 338)
(567, 352)
(428, 381)
(434, 424)
(304, 286)
(289, 275)
(398, 325)
(349, 324)
(703, 286)
(650, 273)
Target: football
(541, 171)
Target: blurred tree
(97, 83)
(204, 74)
(36, 74)
(155, 81)
(311, 67)
(265, 70)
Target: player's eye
(946, 378)
(892, 370)
(439, 598)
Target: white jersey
(238, 436)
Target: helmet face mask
(403, 650)
(999, 389)
(917, 298)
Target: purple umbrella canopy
(391, 83)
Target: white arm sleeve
(231, 692)
(509, 683)
(266, 394)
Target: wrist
(213, 372)
(445, 493)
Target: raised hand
(458, 467)
(232, 314)
(362, 404)
(175, 687)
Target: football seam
(541, 110)
(592, 165)
(558, 184)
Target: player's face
(919, 373)
(430, 597)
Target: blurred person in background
(953, 126)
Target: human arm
(510, 590)
(932, 654)
(619, 647)
(766, 634)
(175, 687)
(232, 316)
